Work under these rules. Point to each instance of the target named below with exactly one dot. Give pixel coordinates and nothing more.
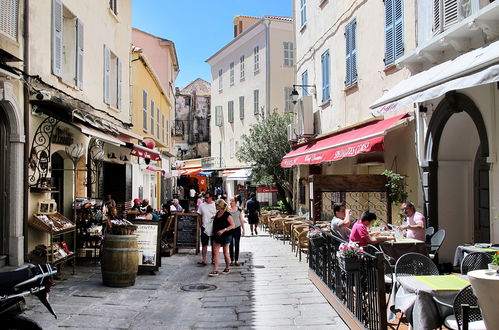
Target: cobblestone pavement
(270, 291)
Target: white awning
(98, 134)
(242, 175)
(475, 68)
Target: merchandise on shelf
(89, 218)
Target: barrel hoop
(120, 249)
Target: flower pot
(317, 242)
(493, 267)
(349, 264)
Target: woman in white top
(237, 215)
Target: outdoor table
(462, 250)
(401, 246)
(413, 295)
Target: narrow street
(271, 290)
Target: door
(114, 181)
(3, 182)
(481, 196)
(58, 178)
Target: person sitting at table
(340, 224)
(136, 205)
(150, 214)
(360, 234)
(415, 222)
(176, 206)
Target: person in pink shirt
(415, 222)
(360, 234)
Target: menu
(148, 242)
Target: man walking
(253, 210)
(207, 211)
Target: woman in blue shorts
(222, 235)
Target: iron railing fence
(362, 292)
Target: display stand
(187, 231)
(88, 228)
(57, 226)
(149, 243)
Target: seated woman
(360, 234)
(112, 214)
(150, 214)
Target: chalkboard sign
(186, 231)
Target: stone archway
(13, 167)
(457, 174)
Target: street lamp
(294, 93)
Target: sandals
(237, 264)
(226, 271)
(231, 263)
(214, 273)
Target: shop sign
(264, 190)
(147, 241)
(62, 136)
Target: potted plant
(494, 265)
(315, 236)
(396, 191)
(349, 255)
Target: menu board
(148, 236)
(186, 231)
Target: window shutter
(437, 19)
(230, 112)
(325, 76)
(286, 53)
(399, 28)
(327, 71)
(218, 115)
(304, 81)
(57, 33)
(157, 123)
(353, 51)
(348, 58)
(107, 73)
(9, 11)
(79, 53)
(167, 133)
(450, 12)
(144, 110)
(119, 84)
(152, 117)
(389, 42)
(241, 107)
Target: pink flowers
(314, 233)
(349, 250)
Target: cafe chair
(429, 233)
(467, 314)
(303, 243)
(474, 261)
(435, 243)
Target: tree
(264, 147)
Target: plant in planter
(396, 189)
(349, 255)
(315, 236)
(494, 265)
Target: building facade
(251, 76)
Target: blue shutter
(348, 73)
(399, 28)
(353, 52)
(389, 45)
(304, 81)
(328, 96)
(325, 76)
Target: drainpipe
(26, 127)
(267, 67)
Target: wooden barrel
(119, 260)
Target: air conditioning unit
(41, 96)
(292, 133)
(305, 116)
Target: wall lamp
(294, 94)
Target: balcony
(210, 163)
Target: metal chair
(411, 264)
(474, 261)
(467, 314)
(435, 243)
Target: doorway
(4, 160)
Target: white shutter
(450, 12)
(120, 85)
(107, 72)
(437, 19)
(79, 53)
(9, 17)
(57, 33)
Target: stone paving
(270, 291)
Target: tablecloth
(403, 246)
(462, 249)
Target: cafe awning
(190, 171)
(156, 169)
(98, 134)
(366, 139)
(475, 68)
(205, 173)
(242, 175)
(144, 152)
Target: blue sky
(199, 27)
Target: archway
(4, 158)
(457, 148)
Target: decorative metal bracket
(39, 159)
(94, 163)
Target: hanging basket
(351, 264)
(317, 242)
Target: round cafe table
(485, 284)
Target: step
(3, 260)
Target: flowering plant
(495, 260)
(349, 250)
(314, 233)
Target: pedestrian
(200, 200)
(238, 231)
(218, 192)
(207, 210)
(222, 230)
(253, 210)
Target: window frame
(303, 13)
(288, 48)
(220, 81)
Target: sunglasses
(207, 196)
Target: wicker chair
(474, 261)
(303, 243)
(297, 229)
(436, 242)
(279, 228)
(467, 314)
(287, 230)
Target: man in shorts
(253, 211)
(207, 211)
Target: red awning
(190, 171)
(228, 172)
(156, 169)
(366, 139)
(144, 152)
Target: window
(157, 123)
(394, 31)
(241, 67)
(448, 12)
(220, 86)
(288, 101)
(351, 56)
(112, 79)
(288, 53)
(230, 112)
(256, 59)
(325, 76)
(219, 119)
(113, 5)
(67, 44)
(163, 127)
(152, 117)
(167, 132)
(241, 107)
(256, 96)
(9, 17)
(303, 12)
(231, 148)
(144, 110)
(232, 73)
(304, 81)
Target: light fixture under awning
(98, 134)
(475, 68)
(144, 152)
(366, 139)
